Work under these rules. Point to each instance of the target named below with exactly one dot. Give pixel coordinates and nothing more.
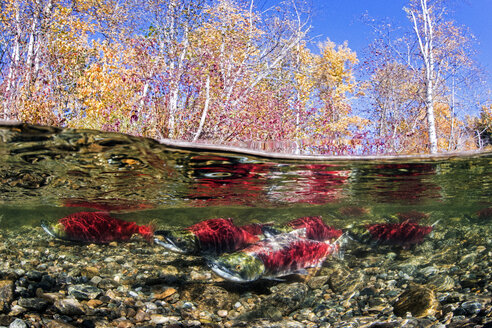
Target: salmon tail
(147, 231)
(340, 245)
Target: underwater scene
(103, 229)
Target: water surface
(50, 172)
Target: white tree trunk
(425, 39)
(205, 110)
(12, 77)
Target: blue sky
(339, 20)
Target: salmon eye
(178, 239)
(239, 267)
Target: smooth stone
(344, 281)
(161, 319)
(441, 283)
(69, 306)
(222, 313)
(165, 294)
(471, 307)
(420, 301)
(107, 284)
(18, 323)
(34, 303)
(95, 280)
(317, 282)
(6, 291)
(6, 294)
(94, 303)
(16, 310)
(429, 271)
(89, 272)
(84, 292)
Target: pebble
(165, 294)
(18, 323)
(72, 285)
(84, 292)
(6, 291)
(420, 301)
(471, 307)
(69, 306)
(34, 303)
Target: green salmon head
(54, 230)
(238, 267)
(179, 241)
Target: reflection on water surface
(58, 169)
(439, 276)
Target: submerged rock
(418, 300)
(285, 299)
(69, 306)
(441, 283)
(6, 294)
(84, 292)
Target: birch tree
(413, 70)
(424, 16)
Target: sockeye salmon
(405, 234)
(276, 256)
(316, 229)
(95, 227)
(213, 236)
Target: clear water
(47, 173)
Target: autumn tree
(422, 67)
(218, 71)
(482, 126)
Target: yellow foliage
(107, 91)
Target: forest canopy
(220, 71)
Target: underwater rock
(84, 292)
(209, 297)
(470, 307)
(69, 306)
(441, 283)
(18, 323)
(33, 303)
(283, 300)
(6, 294)
(317, 282)
(343, 280)
(420, 301)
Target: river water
(50, 172)
(47, 173)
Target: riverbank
(445, 281)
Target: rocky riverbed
(444, 282)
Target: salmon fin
(147, 231)
(340, 245)
(274, 279)
(301, 271)
(269, 231)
